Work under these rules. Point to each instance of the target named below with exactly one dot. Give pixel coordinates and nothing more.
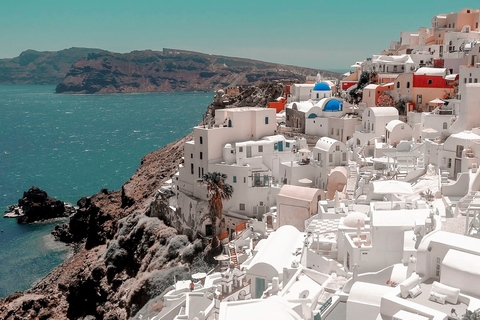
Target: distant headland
(88, 71)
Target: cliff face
(172, 70)
(36, 67)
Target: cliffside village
(353, 199)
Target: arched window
(408, 84)
(398, 85)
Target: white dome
(355, 220)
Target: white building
(396, 131)
(300, 92)
(274, 254)
(206, 154)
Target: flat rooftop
(422, 299)
(398, 218)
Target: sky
(326, 35)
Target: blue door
(259, 287)
(280, 145)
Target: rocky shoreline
(122, 259)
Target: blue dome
(321, 87)
(333, 105)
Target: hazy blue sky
(312, 33)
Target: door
(338, 156)
(419, 99)
(259, 287)
(457, 168)
(249, 152)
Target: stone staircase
(352, 181)
(444, 177)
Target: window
(398, 85)
(287, 144)
(476, 25)
(408, 84)
(437, 267)
(419, 98)
(244, 179)
(266, 120)
(191, 155)
(469, 80)
(242, 206)
(429, 81)
(191, 168)
(337, 148)
(464, 80)
(199, 175)
(260, 148)
(201, 140)
(475, 80)
(459, 151)
(449, 163)
(444, 125)
(332, 132)
(330, 157)
(234, 179)
(201, 155)
(240, 149)
(344, 156)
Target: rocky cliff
(40, 67)
(172, 70)
(123, 258)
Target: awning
(392, 187)
(437, 101)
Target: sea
(73, 146)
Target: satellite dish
(304, 294)
(242, 295)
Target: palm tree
(217, 191)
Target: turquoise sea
(73, 146)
